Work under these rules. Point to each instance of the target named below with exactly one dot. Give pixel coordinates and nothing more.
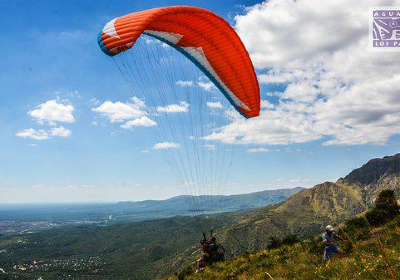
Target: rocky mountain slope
(307, 212)
(370, 253)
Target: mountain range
(129, 211)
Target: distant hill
(309, 211)
(143, 210)
(222, 203)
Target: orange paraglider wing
(204, 37)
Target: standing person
(329, 239)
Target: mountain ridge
(143, 210)
(310, 210)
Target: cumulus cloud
(206, 84)
(214, 105)
(33, 134)
(184, 83)
(182, 107)
(143, 121)
(166, 145)
(257, 150)
(265, 104)
(120, 112)
(52, 111)
(333, 88)
(41, 134)
(60, 132)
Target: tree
(385, 209)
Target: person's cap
(329, 228)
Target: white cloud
(214, 105)
(120, 112)
(143, 121)
(166, 145)
(257, 150)
(52, 111)
(42, 134)
(334, 88)
(144, 151)
(185, 83)
(265, 104)
(206, 84)
(60, 132)
(282, 32)
(33, 134)
(182, 107)
(301, 92)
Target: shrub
(273, 243)
(385, 209)
(377, 217)
(290, 240)
(387, 201)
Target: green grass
(369, 253)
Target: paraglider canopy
(176, 62)
(203, 37)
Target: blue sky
(49, 52)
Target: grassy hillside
(371, 251)
(307, 212)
